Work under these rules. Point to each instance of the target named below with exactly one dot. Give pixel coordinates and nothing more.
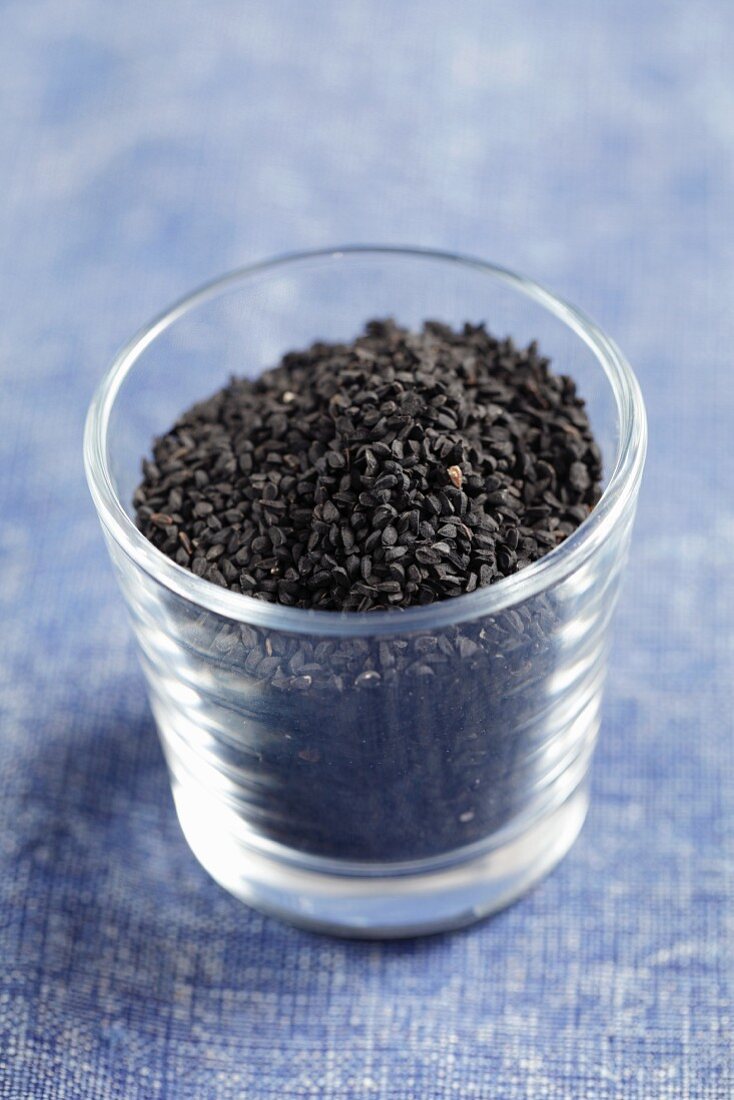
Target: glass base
(380, 901)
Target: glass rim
(621, 487)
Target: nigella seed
(579, 477)
(421, 670)
(426, 555)
(373, 540)
(506, 559)
(401, 469)
(160, 519)
(486, 574)
(383, 515)
(466, 647)
(368, 678)
(389, 587)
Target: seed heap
(400, 469)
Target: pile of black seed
(400, 469)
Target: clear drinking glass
(393, 803)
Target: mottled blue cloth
(145, 147)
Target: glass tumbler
(379, 773)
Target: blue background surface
(145, 147)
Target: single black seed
(486, 574)
(368, 678)
(579, 477)
(420, 669)
(301, 683)
(466, 647)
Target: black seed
(400, 469)
(368, 678)
(579, 477)
(486, 574)
(421, 670)
(426, 555)
(466, 647)
(301, 683)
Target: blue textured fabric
(145, 147)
